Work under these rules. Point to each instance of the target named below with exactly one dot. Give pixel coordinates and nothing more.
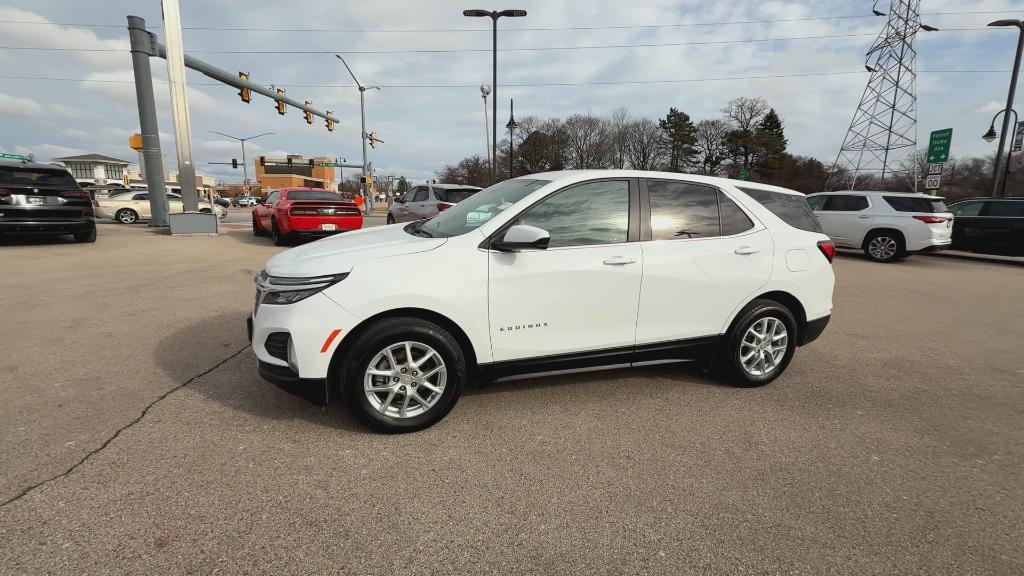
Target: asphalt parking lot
(137, 439)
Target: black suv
(44, 199)
(989, 225)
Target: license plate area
(329, 227)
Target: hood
(340, 253)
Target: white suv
(887, 226)
(550, 272)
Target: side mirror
(399, 199)
(523, 237)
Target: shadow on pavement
(236, 384)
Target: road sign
(391, 178)
(744, 174)
(935, 168)
(932, 182)
(1018, 138)
(938, 145)
(329, 164)
(13, 157)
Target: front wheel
(391, 219)
(86, 236)
(127, 216)
(403, 375)
(760, 345)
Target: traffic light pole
(367, 202)
(142, 48)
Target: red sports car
(293, 213)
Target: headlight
(281, 290)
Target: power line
(527, 84)
(488, 50)
(504, 30)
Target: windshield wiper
(418, 230)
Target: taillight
(828, 248)
(305, 211)
(930, 219)
(442, 206)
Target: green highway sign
(938, 145)
(328, 164)
(13, 157)
(744, 174)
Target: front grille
(277, 345)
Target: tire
(276, 235)
(87, 236)
(256, 230)
(126, 216)
(368, 350)
(884, 246)
(204, 210)
(391, 219)
(758, 316)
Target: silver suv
(427, 200)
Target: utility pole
(511, 132)
(245, 164)
(142, 47)
(179, 105)
(368, 202)
(484, 91)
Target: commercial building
(277, 173)
(95, 168)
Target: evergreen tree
(680, 139)
(771, 142)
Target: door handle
(619, 261)
(864, 217)
(746, 250)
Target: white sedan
(134, 206)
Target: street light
(245, 165)
(367, 201)
(998, 184)
(494, 15)
(484, 91)
(511, 126)
(991, 135)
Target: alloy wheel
(763, 346)
(882, 247)
(405, 379)
(127, 217)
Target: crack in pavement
(138, 419)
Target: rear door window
(911, 204)
(733, 218)
(682, 210)
(421, 195)
(969, 208)
(790, 208)
(1003, 208)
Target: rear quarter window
(909, 204)
(790, 208)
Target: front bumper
(47, 226)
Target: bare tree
(712, 149)
(587, 141)
(617, 125)
(644, 144)
(744, 114)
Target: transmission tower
(883, 133)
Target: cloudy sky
(430, 113)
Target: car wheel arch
(334, 369)
(787, 300)
(876, 231)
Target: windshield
(313, 195)
(36, 178)
(474, 211)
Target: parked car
(293, 213)
(132, 207)
(222, 202)
(549, 272)
(427, 201)
(989, 225)
(44, 199)
(887, 226)
(248, 201)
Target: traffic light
(244, 92)
(263, 160)
(310, 162)
(234, 163)
(330, 121)
(309, 114)
(368, 179)
(281, 106)
(373, 140)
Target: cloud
(991, 107)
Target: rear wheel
(126, 216)
(403, 375)
(276, 235)
(760, 345)
(256, 230)
(87, 236)
(884, 246)
(391, 219)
